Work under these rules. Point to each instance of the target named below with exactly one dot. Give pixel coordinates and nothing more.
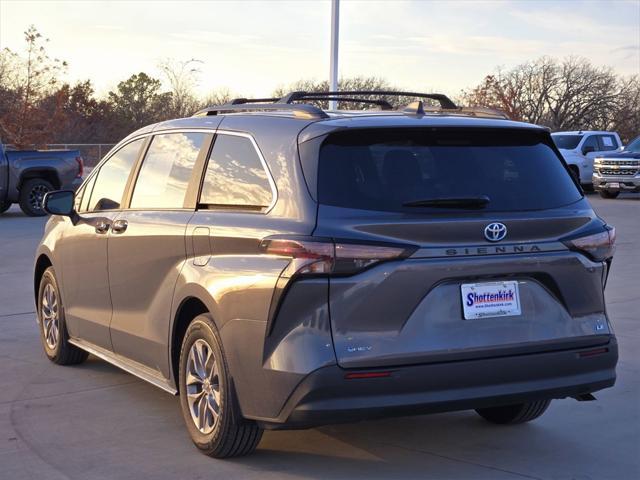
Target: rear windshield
(568, 142)
(385, 169)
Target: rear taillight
(325, 257)
(308, 257)
(599, 246)
(80, 166)
(351, 258)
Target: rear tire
(514, 414)
(609, 194)
(53, 329)
(575, 172)
(32, 192)
(209, 404)
(4, 207)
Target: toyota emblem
(496, 231)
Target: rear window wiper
(479, 201)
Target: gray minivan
(277, 265)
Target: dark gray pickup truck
(26, 175)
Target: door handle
(119, 226)
(102, 227)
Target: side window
(84, 205)
(77, 198)
(590, 144)
(112, 178)
(166, 170)
(607, 142)
(235, 175)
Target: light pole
(333, 68)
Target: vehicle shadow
(404, 447)
(14, 214)
(439, 446)
(427, 446)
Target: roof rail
(307, 111)
(418, 108)
(299, 110)
(484, 112)
(445, 102)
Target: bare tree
(566, 95)
(182, 77)
(583, 94)
(218, 97)
(626, 116)
(30, 80)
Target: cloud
(627, 47)
(628, 51)
(554, 19)
(208, 36)
(109, 27)
(459, 44)
(227, 42)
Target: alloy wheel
(203, 386)
(50, 316)
(36, 196)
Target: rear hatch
(480, 216)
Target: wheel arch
(48, 174)
(188, 309)
(42, 263)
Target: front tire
(209, 405)
(32, 193)
(514, 414)
(575, 171)
(609, 194)
(53, 330)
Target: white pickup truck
(580, 148)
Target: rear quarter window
(236, 176)
(384, 169)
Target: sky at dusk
(253, 47)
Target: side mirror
(588, 149)
(59, 202)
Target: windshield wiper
(479, 201)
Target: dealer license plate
(613, 185)
(494, 299)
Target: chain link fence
(91, 153)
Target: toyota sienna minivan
(278, 265)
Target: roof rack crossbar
(307, 111)
(445, 102)
(241, 101)
(298, 110)
(381, 103)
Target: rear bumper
(326, 397)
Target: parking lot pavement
(95, 421)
